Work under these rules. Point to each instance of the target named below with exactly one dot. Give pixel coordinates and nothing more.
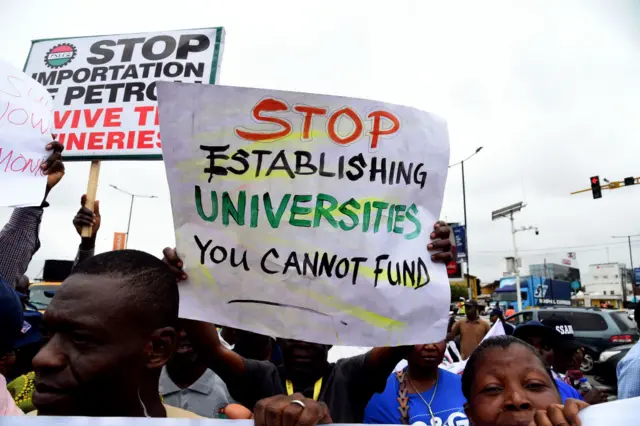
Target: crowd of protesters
(110, 343)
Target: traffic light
(629, 181)
(595, 187)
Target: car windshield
(38, 298)
(623, 321)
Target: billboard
(104, 87)
(460, 237)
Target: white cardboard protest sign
(26, 114)
(104, 86)
(306, 216)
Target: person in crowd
(452, 318)
(346, 386)
(420, 392)
(254, 346)
(21, 390)
(18, 242)
(544, 339)
(187, 383)
(567, 358)
(30, 340)
(471, 329)
(505, 382)
(628, 369)
(228, 336)
(510, 311)
(10, 325)
(85, 217)
(111, 330)
(22, 288)
(19, 239)
(27, 344)
(496, 315)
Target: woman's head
(505, 381)
(427, 356)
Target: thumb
(96, 208)
(83, 200)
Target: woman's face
(509, 386)
(426, 356)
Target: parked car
(41, 294)
(596, 329)
(605, 368)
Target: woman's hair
(498, 342)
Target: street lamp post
(464, 207)
(515, 254)
(508, 212)
(133, 196)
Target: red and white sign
(119, 241)
(104, 87)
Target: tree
(458, 291)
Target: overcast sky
(550, 89)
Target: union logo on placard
(60, 55)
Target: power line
(556, 248)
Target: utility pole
(508, 212)
(515, 263)
(633, 275)
(133, 196)
(466, 224)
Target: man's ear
(161, 346)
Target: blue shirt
(567, 391)
(628, 370)
(447, 405)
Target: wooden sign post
(92, 189)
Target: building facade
(608, 279)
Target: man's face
(96, 351)
(303, 358)
(567, 359)
(471, 310)
(22, 286)
(543, 346)
(493, 319)
(185, 354)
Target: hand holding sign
(26, 110)
(306, 216)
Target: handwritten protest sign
(25, 129)
(104, 87)
(306, 216)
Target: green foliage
(458, 291)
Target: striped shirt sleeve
(19, 241)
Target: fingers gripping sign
(440, 243)
(172, 259)
(560, 415)
(90, 198)
(291, 410)
(88, 217)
